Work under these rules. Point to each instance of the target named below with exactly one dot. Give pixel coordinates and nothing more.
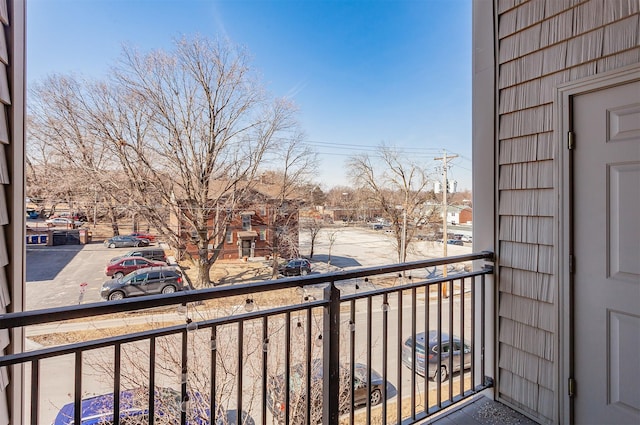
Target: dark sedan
(125, 241)
(296, 267)
(298, 391)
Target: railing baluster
(35, 390)
(152, 380)
(463, 355)
(331, 356)
(183, 378)
(77, 396)
(399, 356)
(309, 348)
(482, 330)
(427, 313)
(369, 328)
(436, 375)
(385, 347)
(265, 339)
(240, 368)
(352, 359)
(117, 364)
(451, 342)
(287, 366)
(413, 337)
(213, 405)
(474, 282)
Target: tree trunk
(313, 242)
(204, 266)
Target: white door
(607, 255)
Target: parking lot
(55, 275)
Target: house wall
(261, 248)
(540, 44)
(466, 216)
(12, 197)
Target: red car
(143, 235)
(128, 264)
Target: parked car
(142, 235)
(77, 216)
(298, 390)
(148, 281)
(62, 221)
(126, 240)
(455, 242)
(134, 409)
(156, 254)
(126, 265)
(426, 353)
(296, 267)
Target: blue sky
(361, 72)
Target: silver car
(433, 360)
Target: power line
(350, 146)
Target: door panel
(606, 221)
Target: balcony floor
(481, 411)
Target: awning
(249, 234)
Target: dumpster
(42, 238)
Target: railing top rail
(414, 284)
(34, 317)
(10, 359)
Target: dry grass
(392, 406)
(60, 338)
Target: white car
(62, 221)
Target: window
(246, 222)
(263, 234)
(153, 275)
(229, 236)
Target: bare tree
(178, 137)
(66, 158)
(295, 163)
(397, 185)
(191, 128)
(332, 236)
(313, 226)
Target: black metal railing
(359, 337)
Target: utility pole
(445, 184)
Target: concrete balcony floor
(481, 410)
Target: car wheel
(376, 397)
(118, 275)
(168, 289)
(112, 245)
(117, 295)
(441, 374)
(303, 272)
